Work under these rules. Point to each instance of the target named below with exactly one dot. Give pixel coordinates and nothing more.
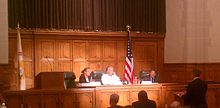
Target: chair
(97, 75)
(144, 76)
(69, 79)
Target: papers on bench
(90, 84)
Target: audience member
(175, 104)
(114, 98)
(143, 101)
(85, 77)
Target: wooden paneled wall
(46, 51)
(182, 72)
(72, 51)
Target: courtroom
(109, 54)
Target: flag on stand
(20, 58)
(129, 65)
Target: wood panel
(109, 50)
(32, 100)
(51, 101)
(109, 54)
(9, 79)
(14, 100)
(121, 54)
(79, 56)
(182, 72)
(94, 55)
(94, 51)
(28, 51)
(83, 98)
(45, 56)
(63, 54)
(68, 100)
(145, 54)
(12, 46)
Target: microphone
(49, 60)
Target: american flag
(129, 66)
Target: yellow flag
(20, 62)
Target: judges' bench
(98, 97)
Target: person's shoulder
(117, 106)
(153, 103)
(199, 80)
(134, 103)
(81, 76)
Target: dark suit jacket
(82, 79)
(196, 94)
(144, 104)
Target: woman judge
(85, 77)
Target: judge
(110, 78)
(153, 75)
(85, 77)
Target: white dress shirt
(110, 80)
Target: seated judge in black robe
(85, 77)
(152, 76)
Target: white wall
(3, 31)
(193, 31)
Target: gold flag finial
(18, 26)
(128, 27)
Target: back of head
(114, 99)
(142, 95)
(175, 104)
(196, 72)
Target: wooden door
(69, 101)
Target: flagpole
(20, 60)
(128, 30)
(129, 66)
